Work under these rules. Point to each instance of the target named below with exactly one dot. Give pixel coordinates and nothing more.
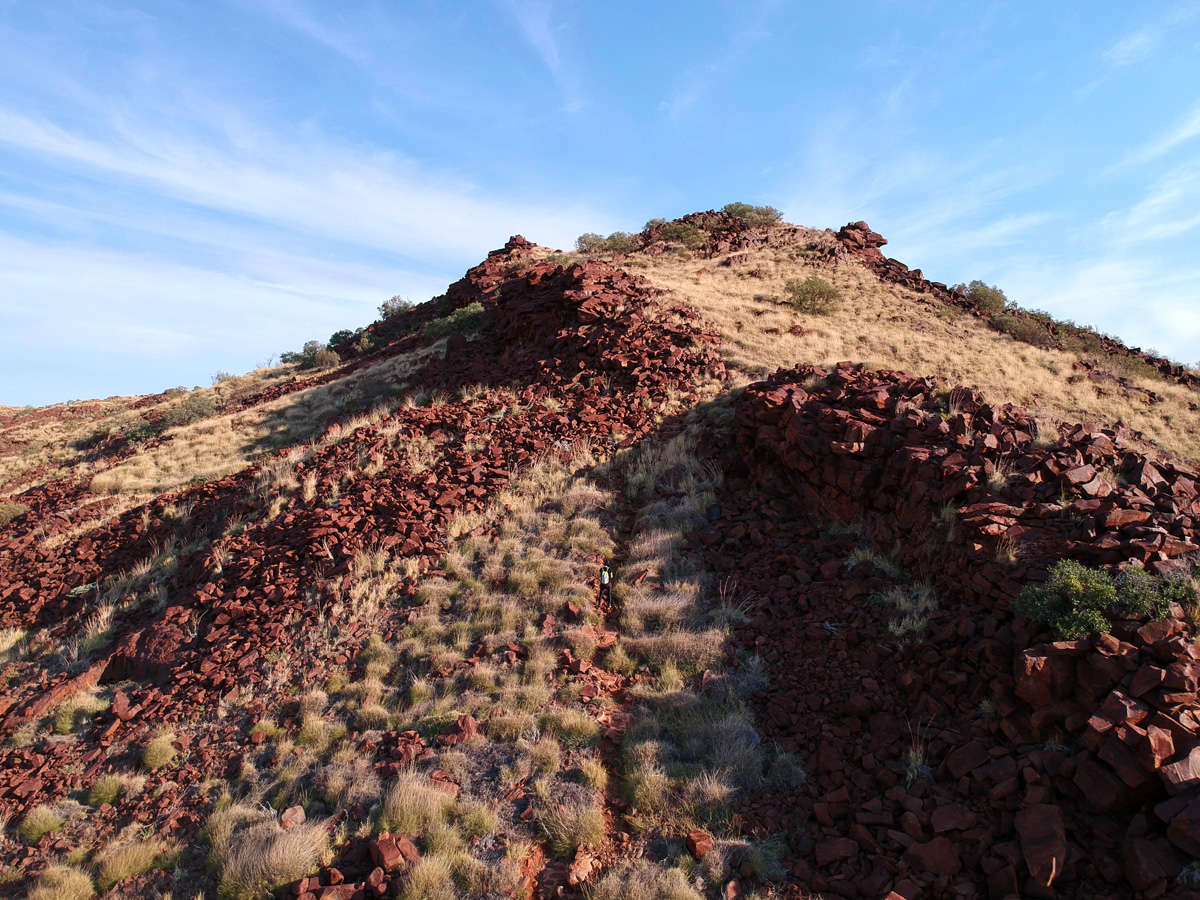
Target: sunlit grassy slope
(884, 326)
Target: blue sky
(190, 187)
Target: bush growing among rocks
(193, 408)
(1076, 601)
(754, 216)
(160, 751)
(1023, 328)
(60, 882)
(394, 307)
(682, 233)
(467, 320)
(988, 298)
(617, 242)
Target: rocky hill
(337, 631)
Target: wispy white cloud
(1169, 208)
(357, 195)
(535, 18)
(1141, 43)
(1134, 47)
(696, 84)
(1181, 131)
(134, 321)
(296, 16)
(1137, 298)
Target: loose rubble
(977, 757)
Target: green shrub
(326, 358)
(1080, 339)
(159, 751)
(813, 295)
(987, 298)
(654, 223)
(140, 432)
(620, 242)
(590, 242)
(106, 790)
(9, 510)
(1130, 366)
(338, 336)
(394, 307)
(467, 320)
(1021, 328)
(1072, 602)
(682, 233)
(194, 408)
(754, 216)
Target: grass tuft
(61, 882)
(160, 751)
(42, 819)
(414, 806)
(125, 860)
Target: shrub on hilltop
(396, 306)
(617, 242)
(325, 358)
(682, 233)
(813, 295)
(754, 216)
(1025, 327)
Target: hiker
(605, 584)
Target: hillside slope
(338, 630)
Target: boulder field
(975, 757)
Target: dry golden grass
(44, 437)
(414, 806)
(221, 445)
(159, 751)
(42, 819)
(61, 882)
(886, 327)
(125, 859)
(266, 857)
(644, 881)
(572, 818)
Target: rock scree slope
(877, 527)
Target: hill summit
(903, 597)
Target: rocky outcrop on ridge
(976, 757)
(247, 567)
(861, 244)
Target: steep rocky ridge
(973, 757)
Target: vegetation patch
(62, 882)
(754, 216)
(812, 295)
(9, 510)
(1077, 601)
(467, 320)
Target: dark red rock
(699, 843)
(1043, 835)
(937, 857)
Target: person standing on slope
(605, 584)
